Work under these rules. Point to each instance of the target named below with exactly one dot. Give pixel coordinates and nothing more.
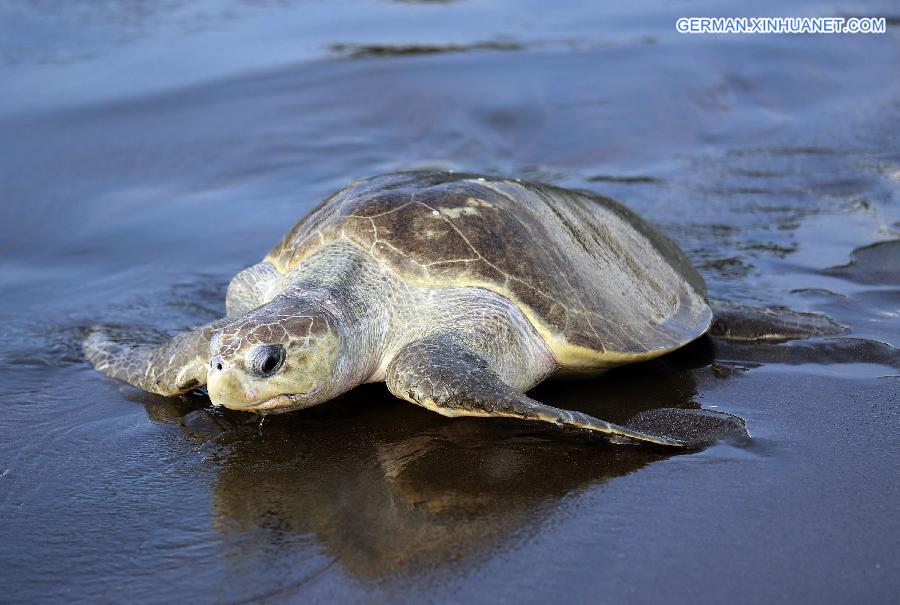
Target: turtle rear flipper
(745, 323)
(818, 351)
(443, 375)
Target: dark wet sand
(146, 155)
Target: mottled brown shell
(601, 285)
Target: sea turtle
(461, 292)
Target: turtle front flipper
(443, 375)
(171, 368)
(247, 289)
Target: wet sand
(147, 155)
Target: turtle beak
(226, 388)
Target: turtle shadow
(385, 488)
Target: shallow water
(150, 150)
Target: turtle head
(281, 356)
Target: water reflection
(384, 488)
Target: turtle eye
(265, 360)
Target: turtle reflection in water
(398, 492)
(461, 292)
